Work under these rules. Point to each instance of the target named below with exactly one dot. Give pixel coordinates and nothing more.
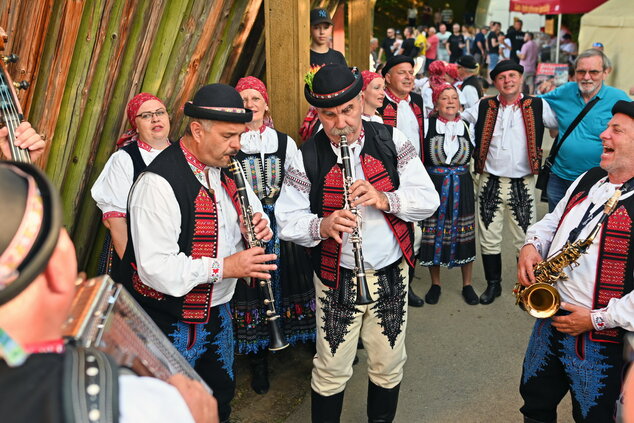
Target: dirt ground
(290, 383)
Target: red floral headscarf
(253, 83)
(131, 112)
(438, 89)
(368, 77)
(452, 70)
(436, 71)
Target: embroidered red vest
(198, 238)
(531, 108)
(389, 110)
(615, 264)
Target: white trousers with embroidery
(340, 323)
(498, 197)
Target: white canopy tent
(612, 24)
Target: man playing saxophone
(580, 348)
(390, 189)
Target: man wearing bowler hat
(509, 129)
(391, 189)
(471, 86)
(185, 248)
(403, 109)
(580, 349)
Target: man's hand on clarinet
(26, 138)
(363, 193)
(202, 405)
(261, 228)
(527, 260)
(251, 263)
(339, 221)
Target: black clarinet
(276, 340)
(363, 292)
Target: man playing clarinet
(389, 189)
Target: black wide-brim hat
(467, 61)
(333, 85)
(30, 223)
(504, 66)
(218, 102)
(396, 60)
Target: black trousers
(209, 349)
(556, 363)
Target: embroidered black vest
(379, 163)
(266, 176)
(198, 238)
(615, 265)
(531, 108)
(473, 81)
(389, 110)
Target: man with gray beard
(390, 189)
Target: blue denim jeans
(493, 61)
(556, 190)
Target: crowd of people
(431, 165)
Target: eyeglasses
(593, 73)
(149, 115)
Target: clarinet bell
(363, 292)
(276, 340)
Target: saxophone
(541, 299)
(363, 292)
(276, 340)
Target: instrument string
(11, 118)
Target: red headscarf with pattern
(253, 83)
(131, 112)
(368, 77)
(452, 70)
(438, 89)
(436, 71)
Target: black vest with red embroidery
(389, 110)
(379, 163)
(615, 264)
(198, 238)
(531, 108)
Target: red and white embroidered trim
(191, 159)
(56, 346)
(111, 214)
(25, 236)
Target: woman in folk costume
(449, 235)
(264, 155)
(136, 148)
(436, 78)
(373, 94)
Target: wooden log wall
(86, 59)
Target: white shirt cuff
(215, 270)
(600, 319)
(313, 227)
(394, 202)
(535, 242)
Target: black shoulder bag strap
(90, 386)
(573, 125)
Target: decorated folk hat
(506, 65)
(396, 60)
(218, 102)
(30, 221)
(333, 85)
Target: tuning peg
(12, 58)
(22, 85)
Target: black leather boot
(259, 372)
(529, 420)
(412, 299)
(492, 264)
(326, 409)
(382, 403)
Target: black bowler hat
(506, 65)
(318, 16)
(333, 85)
(30, 221)
(396, 60)
(218, 102)
(467, 61)
(625, 107)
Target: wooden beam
(360, 14)
(286, 24)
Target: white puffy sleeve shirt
(416, 199)
(580, 286)
(265, 142)
(155, 221)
